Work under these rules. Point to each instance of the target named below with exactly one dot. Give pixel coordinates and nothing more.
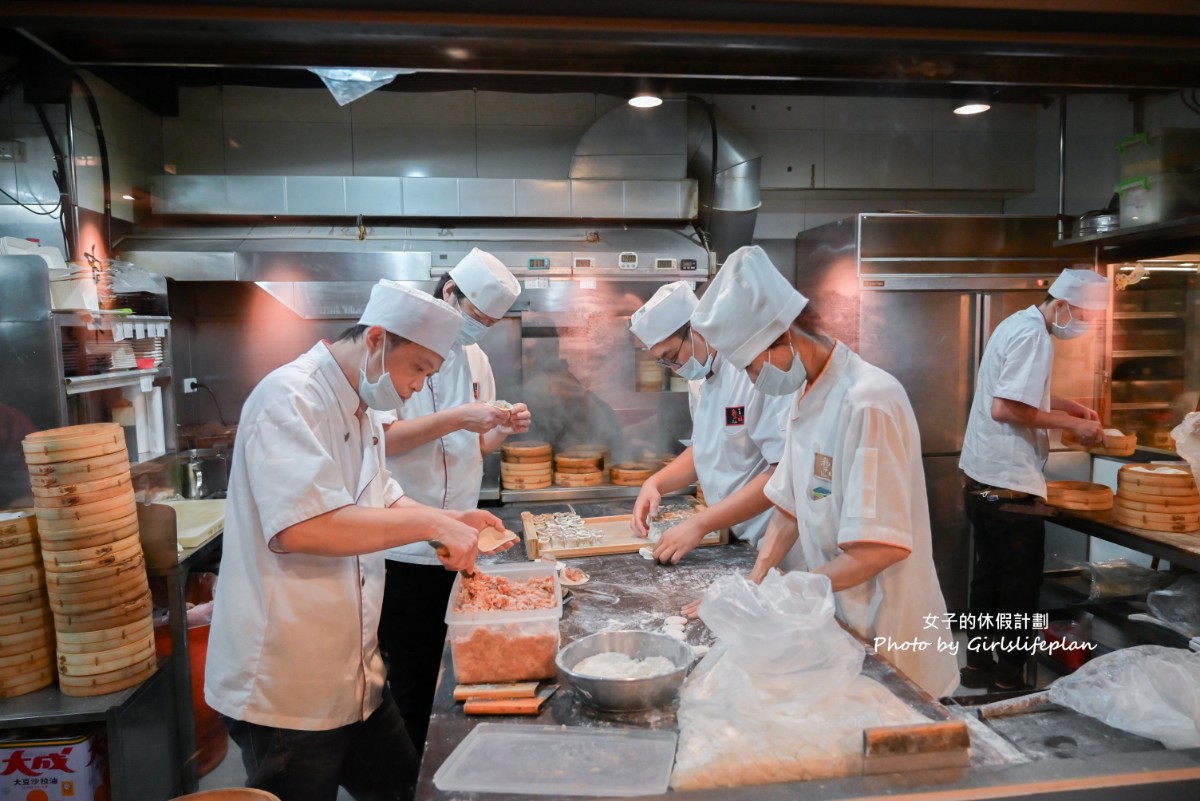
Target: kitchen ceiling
(1021, 50)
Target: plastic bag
(1118, 578)
(1179, 604)
(781, 696)
(347, 85)
(1187, 441)
(1149, 690)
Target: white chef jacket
(293, 641)
(737, 434)
(1017, 364)
(447, 472)
(851, 472)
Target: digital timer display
(541, 263)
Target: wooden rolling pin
(923, 746)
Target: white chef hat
(746, 307)
(666, 312)
(1082, 288)
(486, 282)
(414, 315)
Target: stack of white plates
(92, 554)
(149, 348)
(26, 633)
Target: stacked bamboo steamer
(579, 467)
(26, 633)
(1157, 498)
(526, 465)
(631, 474)
(1082, 496)
(95, 571)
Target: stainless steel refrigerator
(919, 295)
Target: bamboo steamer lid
(1138, 520)
(1161, 508)
(1079, 495)
(70, 501)
(517, 451)
(92, 521)
(81, 641)
(20, 581)
(89, 452)
(91, 511)
(74, 471)
(68, 438)
(516, 470)
(631, 473)
(543, 458)
(525, 484)
(105, 683)
(1140, 476)
(120, 615)
(1123, 491)
(76, 581)
(89, 664)
(131, 588)
(22, 602)
(23, 622)
(591, 468)
(61, 563)
(579, 479)
(85, 489)
(28, 539)
(16, 558)
(1149, 518)
(564, 461)
(40, 680)
(17, 645)
(14, 523)
(74, 539)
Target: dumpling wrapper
(492, 538)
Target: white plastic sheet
(1149, 690)
(349, 84)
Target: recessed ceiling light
(972, 108)
(645, 101)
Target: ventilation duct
(675, 141)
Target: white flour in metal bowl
(615, 665)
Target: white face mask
(1069, 330)
(382, 395)
(773, 381)
(693, 369)
(472, 330)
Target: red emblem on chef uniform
(475, 389)
(735, 415)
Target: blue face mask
(693, 369)
(381, 395)
(773, 381)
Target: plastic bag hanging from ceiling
(349, 84)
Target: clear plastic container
(1167, 150)
(498, 646)
(1152, 199)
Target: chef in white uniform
(737, 433)
(1004, 452)
(435, 449)
(850, 488)
(293, 659)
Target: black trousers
(1009, 538)
(374, 760)
(412, 632)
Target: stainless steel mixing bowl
(625, 695)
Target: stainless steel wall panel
(255, 194)
(430, 197)
(206, 261)
(377, 196)
(188, 194)
(597, 198)
(524, 151)
(543, 198)
(628, 141)
(487, 197)
(660, 199)
(317, 195)
(339, 265)
(26, 295)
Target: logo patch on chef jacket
(823, 466)
(735, 415)
(475, 389)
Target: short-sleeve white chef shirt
(1016, 365)
(293, 642)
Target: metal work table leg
(185, 716)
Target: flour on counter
(615, 665)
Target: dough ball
(676, 620)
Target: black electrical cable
(31, 209)
(102, 147)
(60, 180)
(213, 395)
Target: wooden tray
(618, 538)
